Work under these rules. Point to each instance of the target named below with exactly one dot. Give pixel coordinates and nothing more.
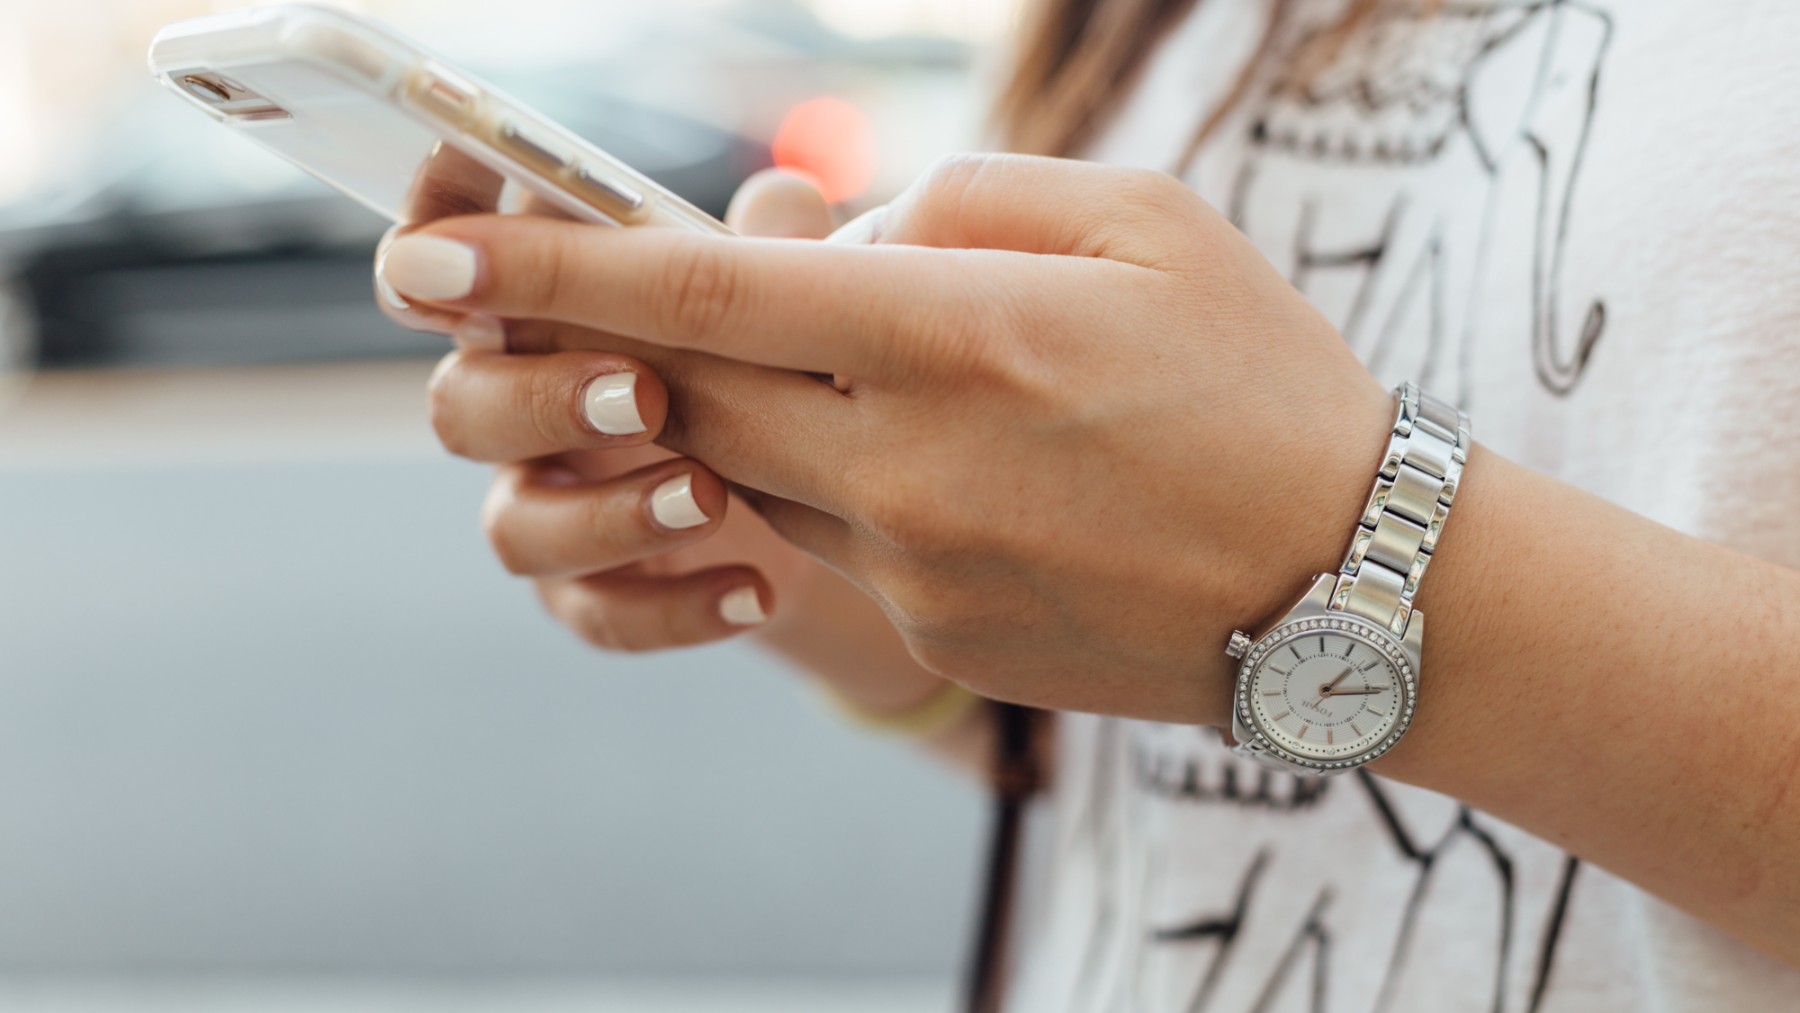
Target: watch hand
(1365, 691)
(1331, 687)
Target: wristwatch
(1333, 683)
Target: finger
(1031, 204)
(817, 307)
(827, 538)
(398, 308)
(543, 521)
(775, 430)
(489, 407)
(632, 612)
(777, 204)
(449, 182)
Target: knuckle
(545, 406)
(599, 625)
(950, 177)
(1153, 191)
(442, 406)
(705, 290)
(614, 538)
(554, 273)
(503, 539)
(502, 534)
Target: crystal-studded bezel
(1343, 625)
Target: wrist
(1308, 515)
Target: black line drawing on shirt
(1223, 928)
(1422, 102)
(1159, 761)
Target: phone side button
(530, 149)
(615, 199)
(438, 92)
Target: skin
(1080, 430)
(568, 508)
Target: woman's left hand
(1079, 429)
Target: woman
(1081, 426)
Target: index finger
(864, 311)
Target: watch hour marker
(1330, 738)
(1302, 733)
(1351, 646)
(1379, 714)
(1355, 730)
(1295, 651)
(1321, 645)
(1282, 715)
(1370, 665)
(1271, 692)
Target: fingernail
(860, 230)
(610, 402)
(388, 295)
(741, 607)
(429, 267)
(479, 332)
(673, 506)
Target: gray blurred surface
(277, 995)
(290, 718)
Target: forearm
(1623, 690)
(843, 640)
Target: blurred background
(275, 731)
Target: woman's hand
(1080, 428)
(631, 546)
(1075, 443)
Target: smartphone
(395, 127)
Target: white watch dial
(1326, 690)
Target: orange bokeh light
(831, 141)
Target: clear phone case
(376, 116)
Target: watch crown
(1239, 645)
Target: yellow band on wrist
(939, 713)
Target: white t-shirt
(1581, 219)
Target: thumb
(779, 205)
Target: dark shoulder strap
(1016, 779)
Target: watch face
(1328, 692)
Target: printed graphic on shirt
(1372, 175)
(1417, 116)
(1348, 893)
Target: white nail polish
(610, 402)
(673, 506)
(741, 607)
(388, 295)
(429, 267)
(479, 332)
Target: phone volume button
(614, 198)
(530, 149)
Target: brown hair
(1078, 59)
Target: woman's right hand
(631, 546)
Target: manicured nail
(673, 506)
(741, 607)
(610, 402)
(388, 295)
(479, 332)
(429, 267)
